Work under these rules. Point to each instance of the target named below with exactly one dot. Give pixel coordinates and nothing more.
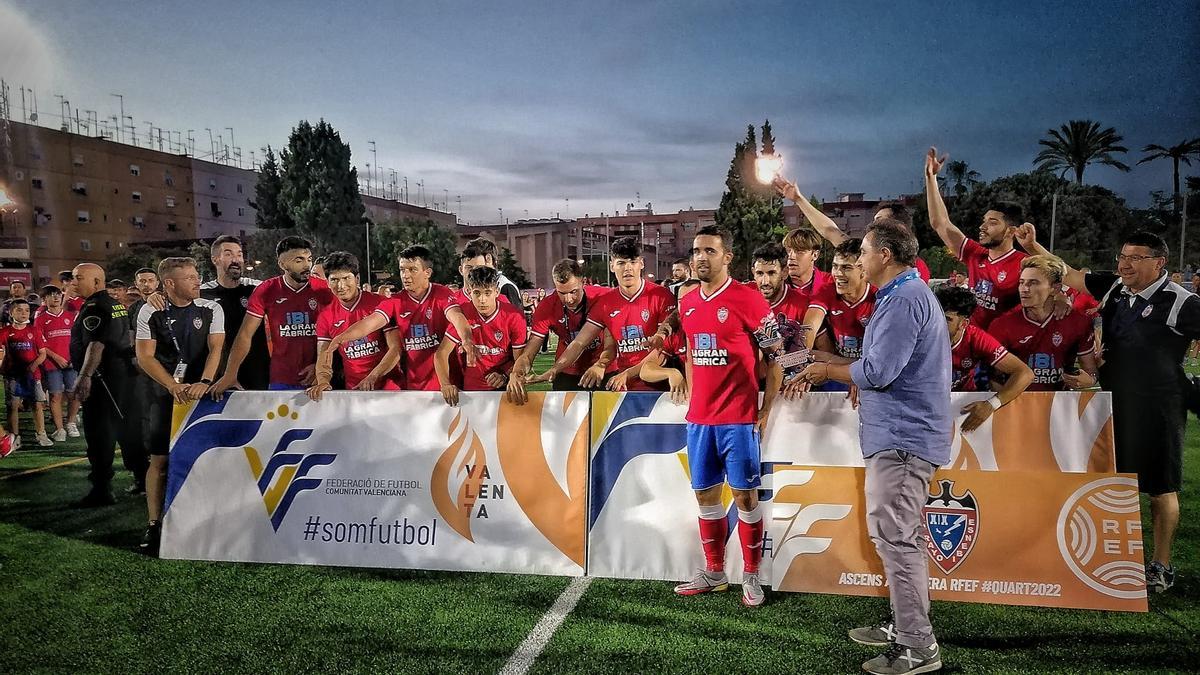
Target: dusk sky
(522, 105)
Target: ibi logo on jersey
(951, 526)
(279, 477)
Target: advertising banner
(381, 480)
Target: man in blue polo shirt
(903, 380)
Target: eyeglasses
(1135, 258)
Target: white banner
(643, 515)
(396, 480)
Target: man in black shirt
(1148, 323)
(134, 453)
(100, 345)
(232, 291)
(179, 348)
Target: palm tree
(964, 177)
(1176, 153)
(1078, 143)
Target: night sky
(522, 105)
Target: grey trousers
(897, 487)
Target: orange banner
(1015, 537)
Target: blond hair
(1051, 266)
(169, 265)
(802, 239)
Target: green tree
(269, 211)
(1078, 143)
(1180, 152)
(129, 260)
(512, 269)
(963, 176)
(319, 190)
(749, 211)
(392, 237)
(203, 256)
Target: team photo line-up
(1022, 320)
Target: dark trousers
(102, 422)
(133, 435)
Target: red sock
(751, 537)
(713, 535)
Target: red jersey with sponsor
(847, 320)
(1048, 347)
(630, 320)
(361, 356)
(976, 347)
(993, 280)
(724, 331)
(552, 317)
(53, 331)
(291, 318)
(20, 349)
(496, 337)
(427, 323)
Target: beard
(234, 272)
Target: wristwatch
(205, 380)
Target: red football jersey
(631, 320)
(497, 337)
(1081, 302)
(993, 280)
(848, 321)
(427, 323)
(922, 269)
(723, 333)
(20, 350)
(361, 356)
(818, 281)
(75, 304)
(1048, 347)
(551, 317)
(291, 318)
(53, 331)
(975, 347)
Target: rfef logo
(951, 526)
(1100, 537)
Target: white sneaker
(704, 582)
(72, 430)
(16, 444)
(44, 440)
(59, 436)
(752, 592)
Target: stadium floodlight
(767, 167)
(6, 202)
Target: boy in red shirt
(23, 358)
(498, 332)
(52, 327)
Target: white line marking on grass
(533, 644)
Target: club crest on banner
(951, 526)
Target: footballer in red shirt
(631, 313)
(972, 349)
(288, 304)
(993, 264)
(564, 314)
(22, 371)
(1048, 345)
(498, 330)
(787, 303)
(52, 327)
(727, 326)
(371, 362)
(426, 308)
(803, 247)
(845, 306)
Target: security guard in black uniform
(101, 346)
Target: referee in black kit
(179, 347)
(1148, 323)
(100, 345)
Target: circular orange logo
(1100, 537)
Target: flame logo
(457, 476)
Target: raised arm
(1027, 238)
(939, 217)
(822, 223)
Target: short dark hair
(899, 211)
(771, 253)
(717, 231)
(292, 243)
(484, 246)
(66, 275)
(1013, 214)
(684, 285)
(483, 277)
(1156, 244)
(682, 261)
(18, 281)
(116, 283)
(895, 237)
(144, 270)
(319, 260)
(224, 239)
(472, 250)
(417, 252)
(341, 260)
(850, 247)
(565, 269)
(626, 247)
(956, 299)
(50, 289)
(18, 301)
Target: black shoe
(151, 539)
(96, 499)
